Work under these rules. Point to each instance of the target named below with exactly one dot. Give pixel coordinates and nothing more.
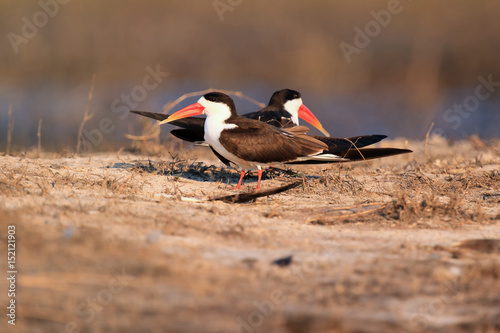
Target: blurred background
(363, 67)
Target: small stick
(39, 134)
(427, 139)
(10, 129)
(235, 198)
(86, 116)
(359, 151)
(144, 137)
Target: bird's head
(291, 102)
(213, 104)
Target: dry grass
(10, 129)
(86, 116)
(402, 244)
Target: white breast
(217, 114)
(292, 107)
(212, 135)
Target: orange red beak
(308, 116)
(195, 109)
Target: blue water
(62, 107)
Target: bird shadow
(202, 172)
(199, 171)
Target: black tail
(190, 135)
(371, 153)
(188, 123)
(338, 145)
(156, 116)
(352, 155)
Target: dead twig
(250, 196)
(86, 116)
(427, 139)
(235, 198)
(10, 129)
(359, 151)
(155, 132)
(39, 135)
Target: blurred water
(404, 77)
(62, 106)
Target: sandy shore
(108, 243)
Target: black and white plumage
(249, 143)
(253, 144)
(284, 110)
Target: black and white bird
(284, 110)
(253, 144)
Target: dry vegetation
(128, 242)
(403, 244)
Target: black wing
(190, 135)
(193, 123)
(259, 142)
(152, 115)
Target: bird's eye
(211, 98)
(295, 96)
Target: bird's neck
(214, 125)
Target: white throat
(292, 107)
(217, 114)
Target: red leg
(259, 173)
(241, 178)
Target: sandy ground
(107, 243)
